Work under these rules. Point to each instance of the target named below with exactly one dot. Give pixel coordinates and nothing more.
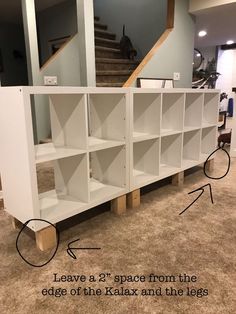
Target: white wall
(226, 66)
(145, 20)
(176, 53)
(55, 22)
(198, 5)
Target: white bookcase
(90, 165)
(106, 142)
(180, 131)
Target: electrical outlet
(50, 80)
(176, 76)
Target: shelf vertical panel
(193, 110)
(109, 166)
(108, 116)
(209, 140)
(171, 151)
(146, 113)
(72, 177)
(69, 121)
(191, 148)
(172, 112)
(211, 107)
(18, 170)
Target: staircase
(111, 69)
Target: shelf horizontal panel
(48, 152)
(100, 192)
(167, 170)
(141, 136)
(207, 125)
(55, 207)
(188, 163)
(191, 128)
(142, 178)
(165, 132)
(99, 144)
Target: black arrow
(202, 191)
(71, 249)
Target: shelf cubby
(208, 143)
(69, 125)
(146, 116)
(191, 148)
(108, 174)
(71, 193)
(210, 109)
(107, 120)
(171, 154)
(193, 111)
(172, 113)
(145, 164)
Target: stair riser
(104, 35)
(100, 26)
(112, 78)
(107, 54)
(101, 43)
(115, 66)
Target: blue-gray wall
(145, 20)
(55, 22)
(176, 53)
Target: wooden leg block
(16, 224)
(46, 238)
(118, 205)
(210, 165)
(178, 179)
(133, 199)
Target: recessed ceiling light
(229, 42)
(198, 55)
(202, 33)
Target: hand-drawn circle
(57, 244)
(228, 168)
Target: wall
(65, 65)
(198, 5)
(15, 69)
(55, 22)
(176, 53)
(145, 20)
(208, 54)
(226, 66)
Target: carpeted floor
(150, 239)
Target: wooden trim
(148, 57)
(170, 14)
(57, 53)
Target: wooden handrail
(57, 53)
(151, 53)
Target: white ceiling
(10, 10)
(220, 24)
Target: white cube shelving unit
(90, 165)
(106, 142)
(182, 125)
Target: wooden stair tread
(98, 25)
(110, 60)
(104, 33)
(109, 84)
(107, 49)
(114, 72)
(108, 41)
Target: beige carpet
(150, 239)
